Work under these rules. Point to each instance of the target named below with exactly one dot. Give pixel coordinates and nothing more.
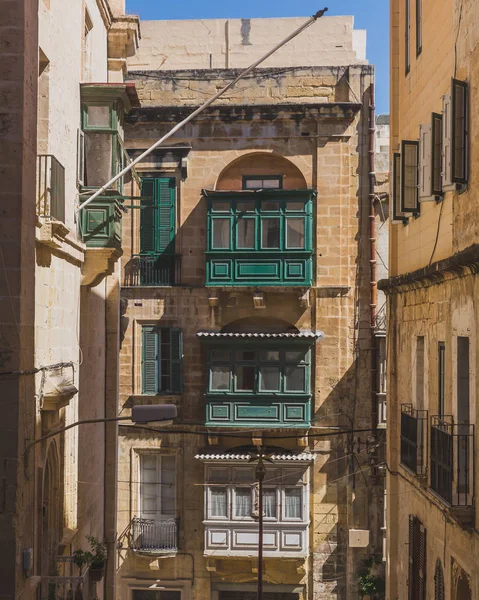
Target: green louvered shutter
(150, 365)
(176, 353)
(147, 218)
(165, 189)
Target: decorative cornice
(458, 265)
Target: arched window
(438, 582)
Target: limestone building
(63, 105)
(432, 289)
(246, 293)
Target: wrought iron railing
(381, 319)
(60, 588)
(154, 536)
(452, 461)
(414, 439)
(153, 270)
(50, 188)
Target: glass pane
(269, 378)
(245, 355)
(98, 158)
(246, 231)
(269, 504)
(220, 377)
(295, 206)
(218, 475)
(294, 233)
(293, 503)
(243, 502)
(244, 207)
(243, 475)
(220, 355)
(98, 116)
(220, 206)
(270, 355)
(271, 183)
(221, 233)
(270, 205)
(295, 379)
(245, 378)
(270, 233)
(218, 506)
(253, 184)
(296, 356)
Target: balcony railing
(155, 537)
(452, 461)
(414, 439)
(50, 188)
(60, 588)
(153, 270)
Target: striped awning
(311, 335)
(302, 457)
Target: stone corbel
(304, 300)
(211, 566)
(303, 441)
(213, 440)
(123, 41)
(52, 233)
(99, 262)
(259, 300)
(214, 303)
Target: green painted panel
(221, 270)
(219, 412)
(100, 224)
(252, 411)
(258, 413)
(277, 269)
(258, 269)
(295, 269)
(293, 412)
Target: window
(293, 504)
(156, 595)
(420, 373)
(87, 47)
(463, 383)
(396, 183)
(262, 182)
(459, 131)
(162, 360)
(407, 49)
(252, 371)
(409, 177)
(243, 502)
(157, 214)
(157, 486)
(441, 378)
(418, 27)
(425, 171)
(436, 158)
(218, 503)
(417, 560)
(265, 223)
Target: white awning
(302, 457)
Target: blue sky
(372, 15)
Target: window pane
(270, 205)
(245, 378)
(293, 503)
(243, 475)
(244, 207)
(220, 355)
(220, 206)
(98, 116)
(221, 233)
(98, 158)
(253, 184)
(270, 355)
(270, 378)
(270, 233)
(296, 356)
(218, 475)
(218, 506)
(294, 233)
(220, 377)
(246, 231)
(295, 206)
(245, 355)
(295, 379)
(269, 504)
(271, 183)
(243, 502)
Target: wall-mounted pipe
(372, 257)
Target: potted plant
(99, 556)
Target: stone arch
(260, 163)
(259, 325)
(51, 515)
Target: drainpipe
(372, 258)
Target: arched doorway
(50, 512)
(463, 588)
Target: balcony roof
(261, 192)
(312, 335)
(226, 456)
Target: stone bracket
(99, 262)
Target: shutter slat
(176, 353)
(147, 217)
(410, 574)
(425, 171)
(436, 152)
(459, 132)
(421, 567)
(150, 369)
(166, 215)
(396, 187)
(446, 141)
(410, 176)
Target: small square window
(270, 205)
(270, 379)
(295, 233)
(220, 206)
(220, 378)
(270, 234)
(98, 117)
(221, 234)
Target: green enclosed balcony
(100, 223)
(258, 379)
(260, 237)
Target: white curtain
(243, 502)
(269, 503)
(218, 502)
(293, 502)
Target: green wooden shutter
(165, 193)
(411, 552)
(176, 353)
(150, 366)
(147, 217)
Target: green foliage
(370, 584)
(96, 557)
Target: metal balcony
(153, 270)
(154, 537)
(452, 461)
(414, 439)
(60, 588)
(50, 188)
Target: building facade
(432, 315)
(64, 102)
(245, 301)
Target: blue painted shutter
(176, 354)
(147, 217)
(165, 193)
(150, 364)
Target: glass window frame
(246, 178)
(284, 518)
(227, 489)
(234, 488)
